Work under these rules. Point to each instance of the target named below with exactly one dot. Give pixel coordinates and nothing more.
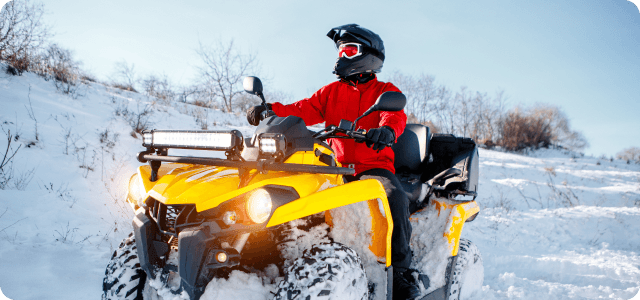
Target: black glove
(254, 114)
(379, 138)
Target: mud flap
(443, 292)
(389, 282)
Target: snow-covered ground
(552, 226)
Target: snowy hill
(552, 226)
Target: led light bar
(192, 139)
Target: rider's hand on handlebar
(254, 114)
(379, 138)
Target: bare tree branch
(222, 72)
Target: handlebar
(332, 131)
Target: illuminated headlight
(212, 140)
(271, 143)
(259, 206)
(268, 145)
(136, 191)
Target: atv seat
(411, 156)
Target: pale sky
(582, 55)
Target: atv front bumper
(197, 253)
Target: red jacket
(340, 100)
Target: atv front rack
(261, 166)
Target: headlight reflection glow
(136, 190)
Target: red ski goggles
(349, 50)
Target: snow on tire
(467, 275)
(124, 279)
(326, 271)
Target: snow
(552, 225)
(351, 227)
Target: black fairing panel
(293, 128)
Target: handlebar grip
(358, 136)
(267, 113)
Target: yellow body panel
(208, 186)
(369, 189)
(457, 213)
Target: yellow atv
(278, 204)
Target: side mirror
(252, 85)
(389, 101)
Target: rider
(361, 55)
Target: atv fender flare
(369, 190)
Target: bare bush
(630, 154)
(540, 126)
(159, 87)
(22, 30)
(32, 116)
(61, 65)
(223, 70)
(6, 170)
(57, 63)
(559, 124)
(108, 138)
(124, 76)
(18, 64)
(520, 130)
(139, 120)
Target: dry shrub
(540, 126)
(139, 120)
(61, 65)
(124, 76)
(200, 103)
(124, 87)
(160, 88)
(629, 154)
(521, 130)
(561, 132)
(18, 64)
(88, 78)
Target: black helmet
(372, 47)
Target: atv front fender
(369, 190)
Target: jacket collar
(356, 83)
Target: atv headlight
(136, 191)
(271, 144)
(259, 206)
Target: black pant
(399, 204)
